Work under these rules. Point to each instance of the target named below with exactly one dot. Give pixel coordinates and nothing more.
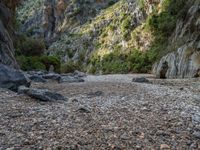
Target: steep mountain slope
(115, 36)
(48, 18)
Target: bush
(139, 61)
(141, 4)
(29, 47)
(117, 62)
(51, 61)
(126, 24)
(70, 67)
(28, 63)
(163, 23)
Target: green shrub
(118, 62)
(141, 4)
(70, 67)
(139, 61)
(163, 24)
(92, 69)
(51, 61)
(29, 47)
(28, 63)
(126, 24)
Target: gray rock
(23, 90)
(84, 109)
(70, 79)
(11, 78)
(79, 74)
(140, 80)
(52, 76)
(196, 118)
(37, 78)
(44, 95)
(97, 93)
(39, 73)
(196, 134)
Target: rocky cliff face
(6, 44)
(93, 29)
(185, 61)
(49, 18)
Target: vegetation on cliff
(125, 36)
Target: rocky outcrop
(41, 94)
(6, 44)
(185, 62)
(11, 78)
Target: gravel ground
(105, 113)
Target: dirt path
(105, 112)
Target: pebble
(84, 109)
(196, 134)
(164, 147)
(196, 118)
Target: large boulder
(41, 94)
(70, 79)
(45, 95)
(11, 78)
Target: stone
(79, 74)
(196, 134)
(52, 76)
(39, 73)
(45, 95)
(196, 118)
(84, 109)
(140, 80)
(70, 79)
(11, 78)
(51, 69)
(181, 88)
(94, 94)
(164, 147)
(23, 90)
(37, 78)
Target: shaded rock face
(6, 44)
(11, 78)
(185, 62)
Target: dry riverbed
(105, 112)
